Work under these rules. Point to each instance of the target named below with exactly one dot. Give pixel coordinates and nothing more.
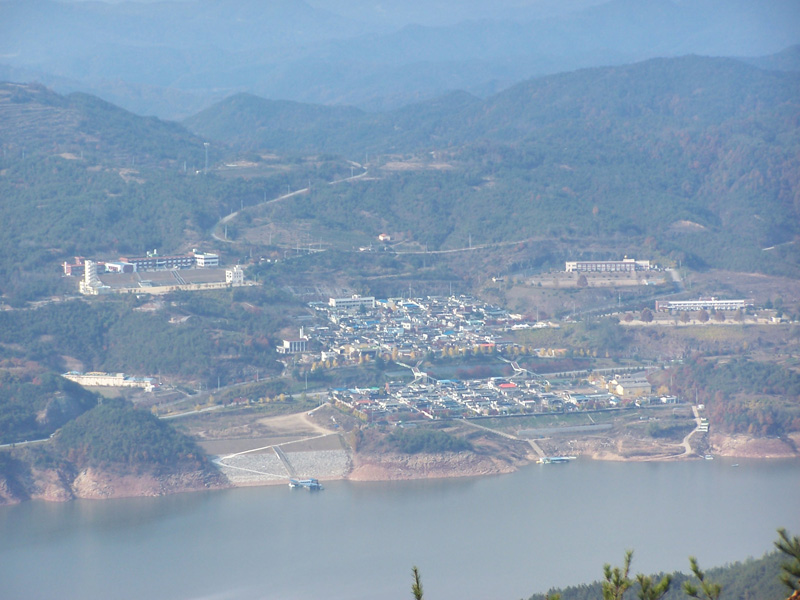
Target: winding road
(230, 217)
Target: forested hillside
(81, 177)
(692, 93)
(753, 578)
(743, 396)
(33, 406)
(57, 208)
(34, 119)
(110, 450)
(115, 436)
(214, 337)
(694, 157)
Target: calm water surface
(499, 537)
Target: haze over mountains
(694, 157)
(691, 92)
(175, 58)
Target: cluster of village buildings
(362, 328)
(521, 393)
(407, 329)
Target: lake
(502, 537)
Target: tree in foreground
(790, 546)
(707, 590)
(416, 587)
(617, 582)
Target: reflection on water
(500, 537)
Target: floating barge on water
(309, 484)
(555, 460)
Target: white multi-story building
(205, 259)
(352, 303)
(91, 284)
(234, 276)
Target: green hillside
(81, 177)
(116, 436)
(34, 119)
(34, 406)
(696, 156)
(114, 440)
(690, 92)
(249, 121)
(752, 578)
(58, 208)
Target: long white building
(707, 303)
(99, 379)
(607, 266)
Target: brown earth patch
(741, 446)
(391, 466)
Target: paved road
(687, 447)
(25, 443)
(305, 190)
(536, 448)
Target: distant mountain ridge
(629, 152)
(624, 153)
(168, 58)
(690, 91)
(785, 60)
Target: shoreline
(342, 464)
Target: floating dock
(309, 484)
(555, 460)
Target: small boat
(735, 465)
(708, 457)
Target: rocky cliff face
(60, 485)
(97, 484)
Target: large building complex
(151, 262)
(707, 303)
(607, 266)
